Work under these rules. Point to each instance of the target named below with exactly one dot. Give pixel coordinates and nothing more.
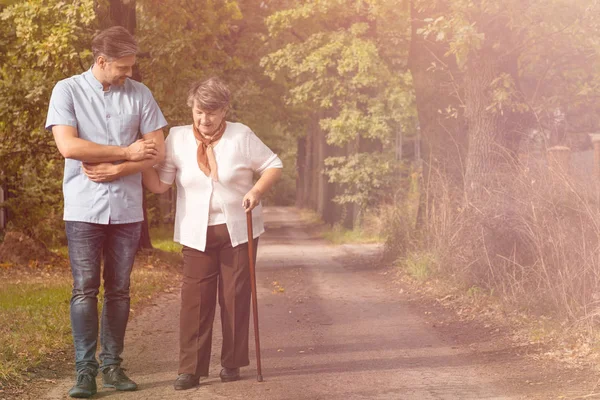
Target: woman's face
(206, 121)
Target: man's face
(116, 71)
(207, 121)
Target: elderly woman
(213, 163)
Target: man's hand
(102, 172)
(141, 150)
(251, 200)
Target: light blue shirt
(112, 118)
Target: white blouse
(239, 153)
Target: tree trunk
(316, 192)
(301, 173)
(485, 150)
(312, 163)
(444, 138)
(119, 12)
(2, 214)
(122, 13)
(494, 134)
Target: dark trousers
(88, 245)
(221, 269)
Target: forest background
(461, 131)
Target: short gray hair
(114, 43)
(211, 94)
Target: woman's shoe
(186, 381)
(230, 374)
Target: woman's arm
(151, 177)
(266, 181)
(152, 182)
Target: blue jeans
(88, 244)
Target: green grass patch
(339, 235)
(310, 216)
(162, 238)
(62, 251)
(419, 266)
(34, 321)
(34, 311)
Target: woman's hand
(101, 172)
(141, 149)
(251, 200)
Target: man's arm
(107, 172)
(71, 146)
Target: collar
(89, 76)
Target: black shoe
(230, 374)
(186, 381)
(114, 377)
(85, 386)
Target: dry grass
(532, 240)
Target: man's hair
(210, 95)
(114, 43)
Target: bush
(35, 202)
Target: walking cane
(259, 377)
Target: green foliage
(506, 96)
(42, 42)
(332, 58)
(555, 43)
(365, 177)
(342, 63)
(36, 208)
(183, 42)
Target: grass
(337, 234)
(34, 310)
(162, 238)
(34, 321)
(310, 216)
(418, 265)
(340, 235)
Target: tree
(437, 83)
(342, 75)
(41, 42)
(189, 41)
(519, 60)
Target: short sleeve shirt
(239, 155)
(114, 118)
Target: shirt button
(107, 116)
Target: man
(95, 118)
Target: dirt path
(333, 326)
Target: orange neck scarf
(205, 155)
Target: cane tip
(259, 378)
